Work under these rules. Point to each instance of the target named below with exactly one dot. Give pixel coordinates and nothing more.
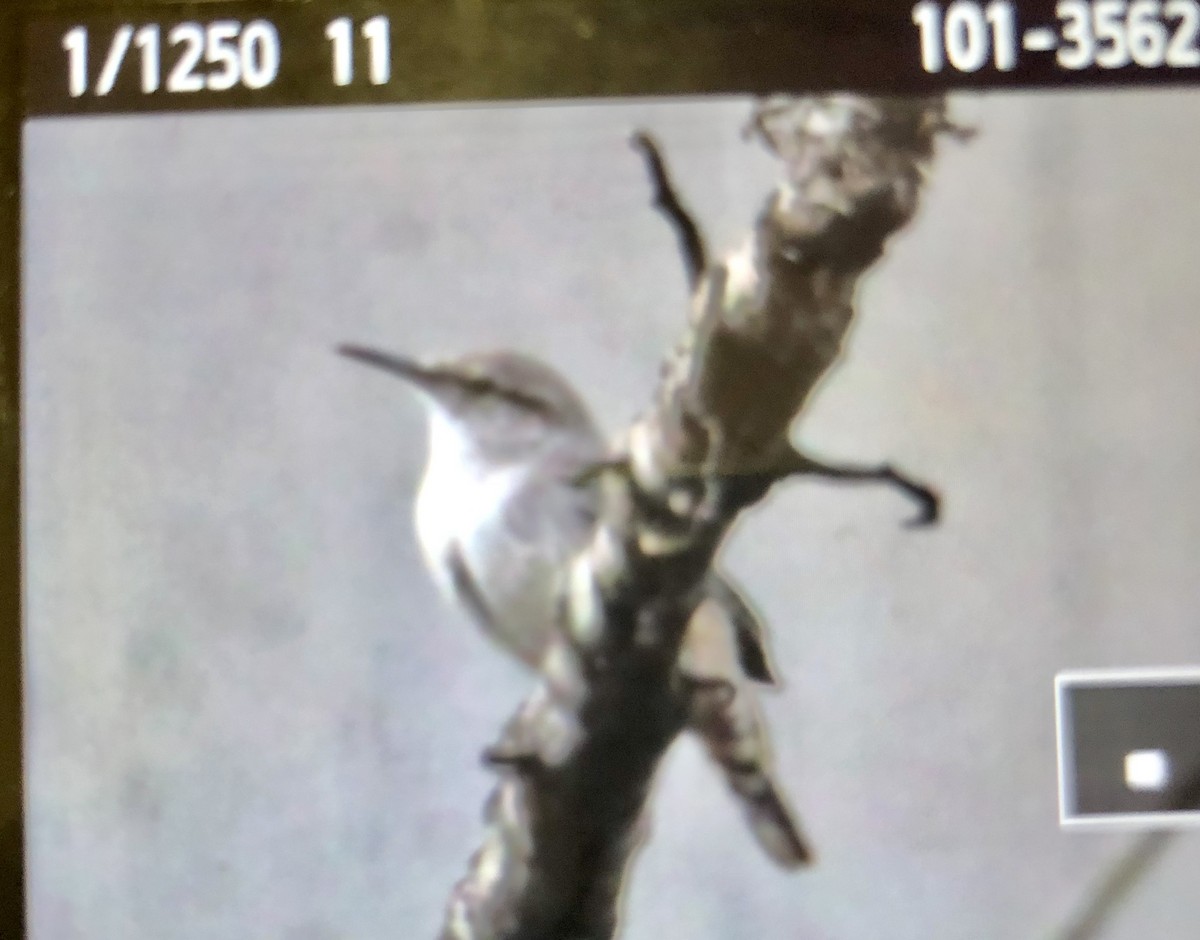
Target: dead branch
(577, 760)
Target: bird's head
(499, 401)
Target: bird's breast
(455, 508)
(512, 526)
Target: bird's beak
(424, 377)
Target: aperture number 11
(377, 32)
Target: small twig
(794, 463)
(927, 500)
(666, 200)
(1116, 886)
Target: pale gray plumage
(500, 511)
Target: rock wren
(500, 512)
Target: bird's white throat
(457, 495)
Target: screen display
(537, 474)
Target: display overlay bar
(234, 55)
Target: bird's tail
(727, 721)
(723, 713)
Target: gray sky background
(250, 715)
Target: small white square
(1147, 770)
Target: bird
(505, 503)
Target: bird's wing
(548, 510)
(467, 588)
(518, 560)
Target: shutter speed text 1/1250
(217, 56)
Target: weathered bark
(577, 761)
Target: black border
(12, 833)
(756, 46)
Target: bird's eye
(481, 389)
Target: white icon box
(1146, 770)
